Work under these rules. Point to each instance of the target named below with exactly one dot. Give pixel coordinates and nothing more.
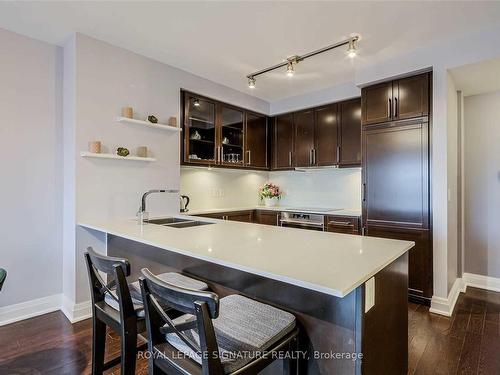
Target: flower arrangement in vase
(270, 194)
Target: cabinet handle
(289, 158)
(343, 223)
(277, 220)
(390, 108)
(221, 154)
(249, 157)
(311, 156)
(395, 107)
(364, 192)
(338, 154)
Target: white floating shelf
(87, 154)
(126, 120)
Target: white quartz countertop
(319, 210)
(331, 263)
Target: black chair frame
(205, 307)
(124, 322)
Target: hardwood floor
(466, 343)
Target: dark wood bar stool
(118, 305)
(214, 336)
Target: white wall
(225, 188)
(104, 79)
(31, 188)
(452, 156)
(482, 184)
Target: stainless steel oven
(302, 220)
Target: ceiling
(225, 41)
(478, 78)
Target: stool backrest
(117, 269)
(3, 276)
(203, 305)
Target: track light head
(352, 50)
(251, 82)
(289, 69)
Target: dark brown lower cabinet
(243, 216)
(267, 217)
(342, 224)
(419, 262)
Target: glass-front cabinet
(232, 132)
(200, 131)
(215, 134)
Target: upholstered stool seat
(243, 326)
(135, 290)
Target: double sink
(175, 222)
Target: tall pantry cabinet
(396, 172)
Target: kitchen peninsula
(349, 293)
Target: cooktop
(313, 209)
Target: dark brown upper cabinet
(328, 135)
(220, 134)
(327, 146)
(256, 141)
(200, 134)
(304, 138)
(411, 97)
(349, 153)
(283, 154)
(396, 100)
(231, 136)
(376, 102)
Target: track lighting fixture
(196, 102)
(251, 82)
(291, 61)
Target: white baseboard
(445, 306)
(483, 282)
(76, 312)
(20, 311)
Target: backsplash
(330, 188)
(221, 188)
(218, 188)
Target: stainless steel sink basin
(168, 220)
(174, 222)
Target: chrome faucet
(142, 209)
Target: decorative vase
(127, 112)
(270, 202)
(95, 147)
(142, 151)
